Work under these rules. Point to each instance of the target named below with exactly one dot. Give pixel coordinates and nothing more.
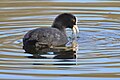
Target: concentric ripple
(98, 55)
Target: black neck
(59, 26)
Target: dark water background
(98, 55)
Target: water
(98, 55)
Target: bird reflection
(69, 52)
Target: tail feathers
(32, 46)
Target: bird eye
(73, 20)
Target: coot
(41, 38)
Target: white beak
(75, 30)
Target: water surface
(98, 54)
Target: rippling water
(98, 55)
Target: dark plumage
(41, 38)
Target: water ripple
(98, 43)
